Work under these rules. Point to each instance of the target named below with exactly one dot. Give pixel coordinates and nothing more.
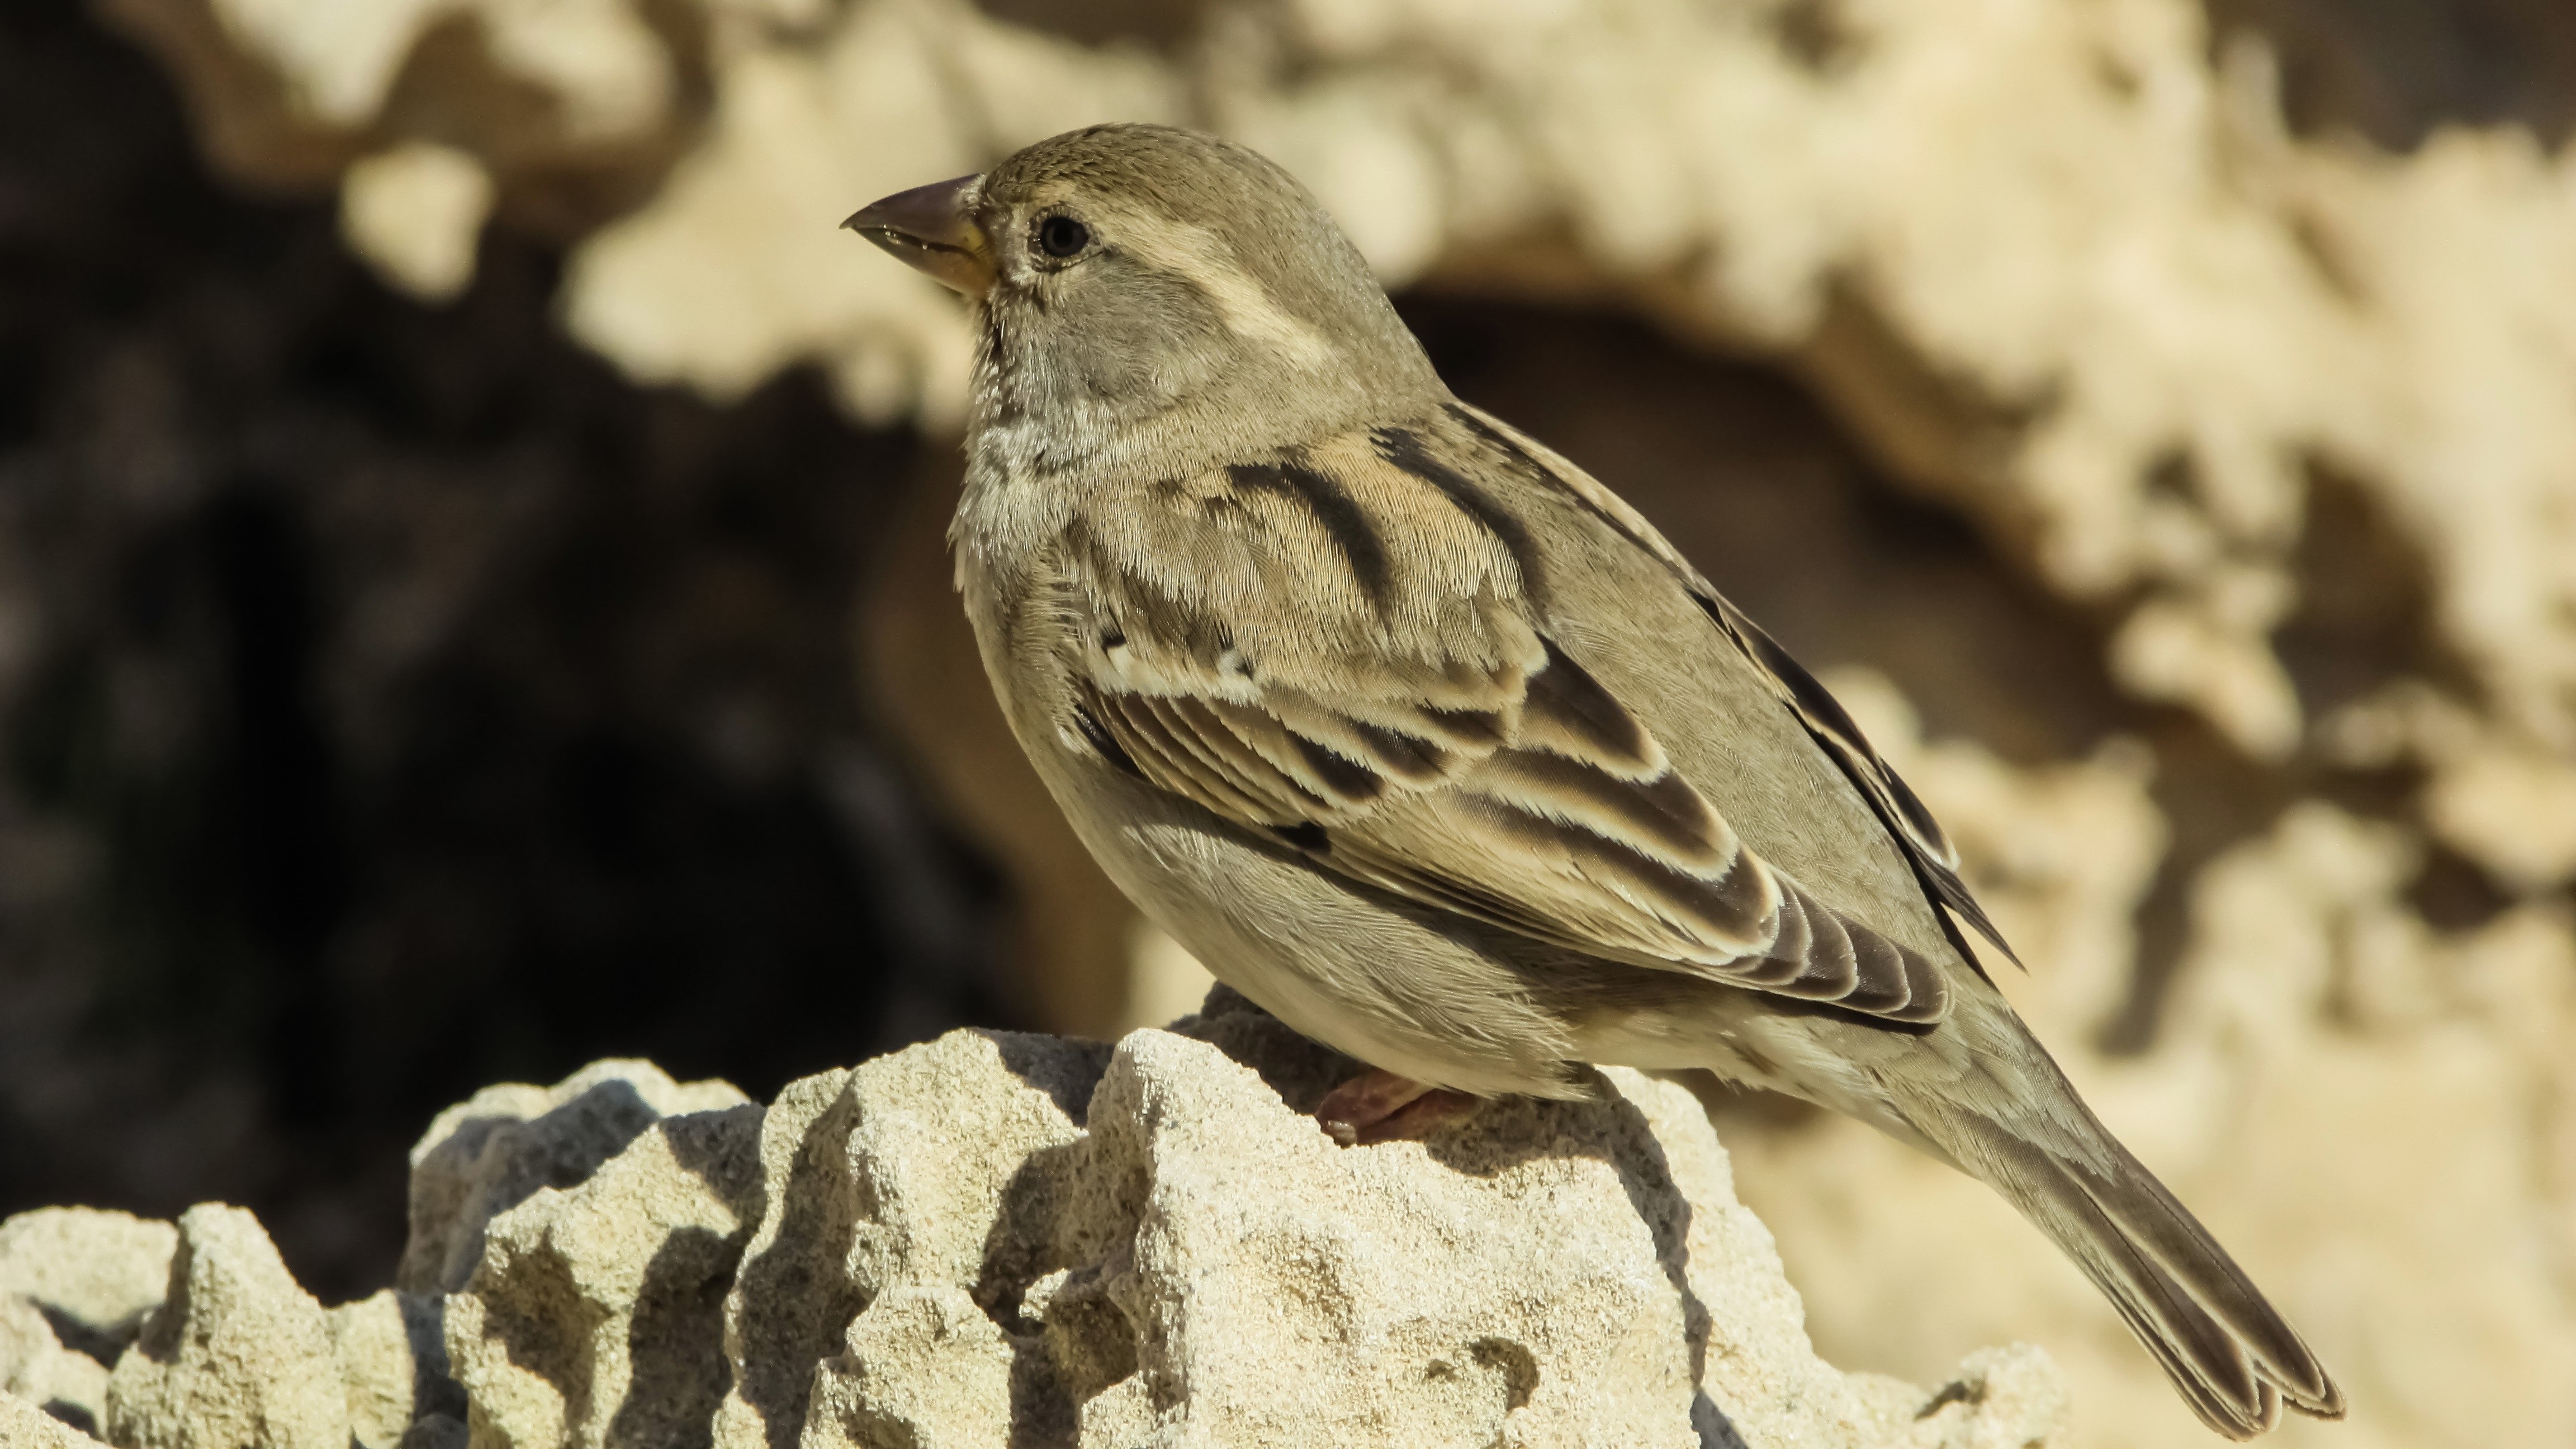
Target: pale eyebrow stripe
(1246, 307)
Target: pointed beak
(930, 230)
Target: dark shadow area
(1067, 1071)
(1055, 1214)
(1648, 1178)
(552, 1342)
(1299, 1069)
(560, 1148)
(1161, 24)
(76, 1416)
(797, 1295)
(101, 1345)
(394, 700)
(2366, 608)
(676, 1344)
(2394, 71)
(434, 1389)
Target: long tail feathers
(2231, 1356)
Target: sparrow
(1430, 745)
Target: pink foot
(1378, 1106)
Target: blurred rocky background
(471, 595)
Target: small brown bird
(1427, 742)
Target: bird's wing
(1927, 847)
(1337, 649)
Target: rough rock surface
(237, 1355)
(489, 1153)
(24, 1426)
(998, 1238)
(75, 1285)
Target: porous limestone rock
(595, 1315)
(34, 1366)
(997, 1238)
(489, 1153)
(96, 1273)
(995, 1235)
(237, 1356)
(25, 1426)
(75, 1284)
(392, 1353)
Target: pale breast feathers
(1345, 649)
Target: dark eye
(1062, 236)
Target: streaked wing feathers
(1528, 798)
(1934, 858)
(1895, 802)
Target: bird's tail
(2228, 1352)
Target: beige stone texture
(37, 1369)
(489, 1153)
(25, 1426)
(101, 1270)
(392, 1353)
(1175, 1255)
(75, 1284)
(1002, 1239)
(231, 1351)
(237, 1356)
(593, 1316)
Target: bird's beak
(930, 229)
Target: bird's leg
(1379, 1106)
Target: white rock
(392, 1355)
(75, 1284)
(24, 1426)
(595, 1315)
(995, 1238)
(34, 1365)
(487, 1154)
(101, 1270)
(924, 1368)
(237, 1356)
(993, 1234)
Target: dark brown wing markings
(1334, 511)
(1351, 781)
(1103, 743)
(1584, 793)
(1900, 810)
(1539, 472)
(1663, 815)
(1565, 709)
(1406, 449)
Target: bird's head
(1151, 296)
